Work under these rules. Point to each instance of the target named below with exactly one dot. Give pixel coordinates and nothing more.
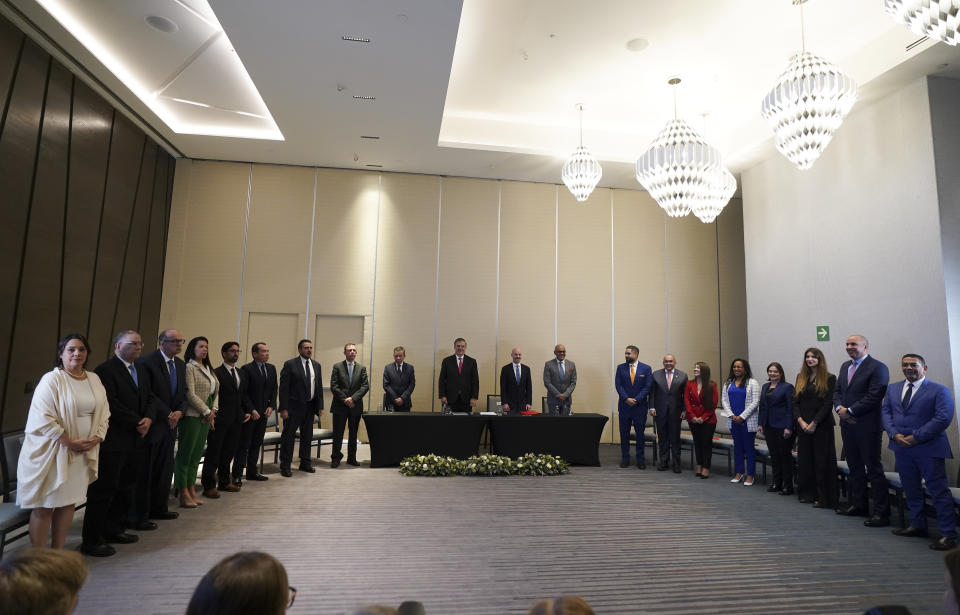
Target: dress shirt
(916, 387)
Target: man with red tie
(459, 383)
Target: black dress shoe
(851, 511)
(661, 467)
(625, 463)
(145, 526)
(353, 462)
(877, 521)
(286, 472)
(100, 550)
(944, 544)
(786, 492)
(773, 488)
(334, 463)
(804, 500)
(122, 538)
(704, 476)
(817, 504)
(258, 477)
(911, 532)
(641, 465)
(166, 515)
(307, 469)
(676, 469)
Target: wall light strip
(358, 97)
(355, 39)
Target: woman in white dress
(65, 425)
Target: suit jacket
(513, 393)
(927, 417)
(664, 399)
(261, 391)
(129, 403)
(864, 394)
(165, 401)
(295, 388)
(556, 385)
(398, 385)
(234, 401)
(639, 390)
(776, 410)
(459, 387)
(702, 405)
(342, 387)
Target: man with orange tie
(632, 380)
(459, 383)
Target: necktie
(399, 368)
(669, 379)
(633, 372)
(349, 373)
(561, 369)
(853, 368)
(263, 371)
(233, 372)
(308, 370)
(908, 395)
(133, 374)
(459, 365)
(173, 377)
(516, 368)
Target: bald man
(560, 379)
(516, 389)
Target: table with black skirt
(574, 438)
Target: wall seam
(66, 206)
(313, 229)
(376, 260)
(126, 245)
(243, 250)
(613, 320)
(496, 305)
(436, 301)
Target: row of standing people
(915, 413)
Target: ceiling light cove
(180, 64)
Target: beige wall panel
(406, 282)
(278, 239)
(733, 284)
(584, 305)
(176, 229)
(345, 235)
(211, 252)
(691, 265)
(527, 277)
(278, 331)
(468, 274)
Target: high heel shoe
(748, 483)
(185, 504)
(736, 479)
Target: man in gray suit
(348, 383)
(666, 405)
(398, 382)
(560, 379)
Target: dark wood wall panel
(84, 203)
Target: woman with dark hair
(66, 423)
(564, 605)
(700, 398)
(813, 410)
(245, 582)
(202, 403)
(741, 398)
(776, 425)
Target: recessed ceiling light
(161, 24)
(637, 44)
(376, 166)
(359, 97)
(368, 137)
(356, 39)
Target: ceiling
(482, 88)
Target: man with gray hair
(560, 379)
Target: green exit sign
(823, 333)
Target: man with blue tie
(916, 415)
(632, 381)
(861, 385)
(516, 387)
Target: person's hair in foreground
(41, 581)
(564, 605)
(242, 583)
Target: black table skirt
(574, 438)
(395, 435)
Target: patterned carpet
(628, 541)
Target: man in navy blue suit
(861, 384)
(632, 381)
(916, 415)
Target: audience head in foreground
(564, 605)
(951, 596)
(245, 582)
(41, 581)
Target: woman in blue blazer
(776, 425)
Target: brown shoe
(231, 488)
(211, 493)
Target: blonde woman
(202, 402)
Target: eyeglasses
(293, 596)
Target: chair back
(9, 457)
(272, 420)
(543, 405)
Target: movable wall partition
(84, 210)
(269, 253)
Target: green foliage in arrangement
(484, 465)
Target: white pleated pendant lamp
(581, 172)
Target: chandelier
(807, 105)
(939, 19)
(684, 173)
(581, 172)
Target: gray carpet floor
(628, 541)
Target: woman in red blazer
(700, 397)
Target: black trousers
(862, 445)
(703, 442)
(154, 478)
(668, 435)
(110, 496)
(817, 466)
(221, 448)
(249, 443)
(781, 456)
(341, 420)
(296, 419)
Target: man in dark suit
(861, 384)
(916, 414)
(166, 377)
(348, 384)
(516, 388)
(398, 382)
(234, 411)
(301, 398)
(121, 453)
(560, 379)
(666, 406)
(632, 381)
(459, 383)
(262, 392)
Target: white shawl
(44, 463)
